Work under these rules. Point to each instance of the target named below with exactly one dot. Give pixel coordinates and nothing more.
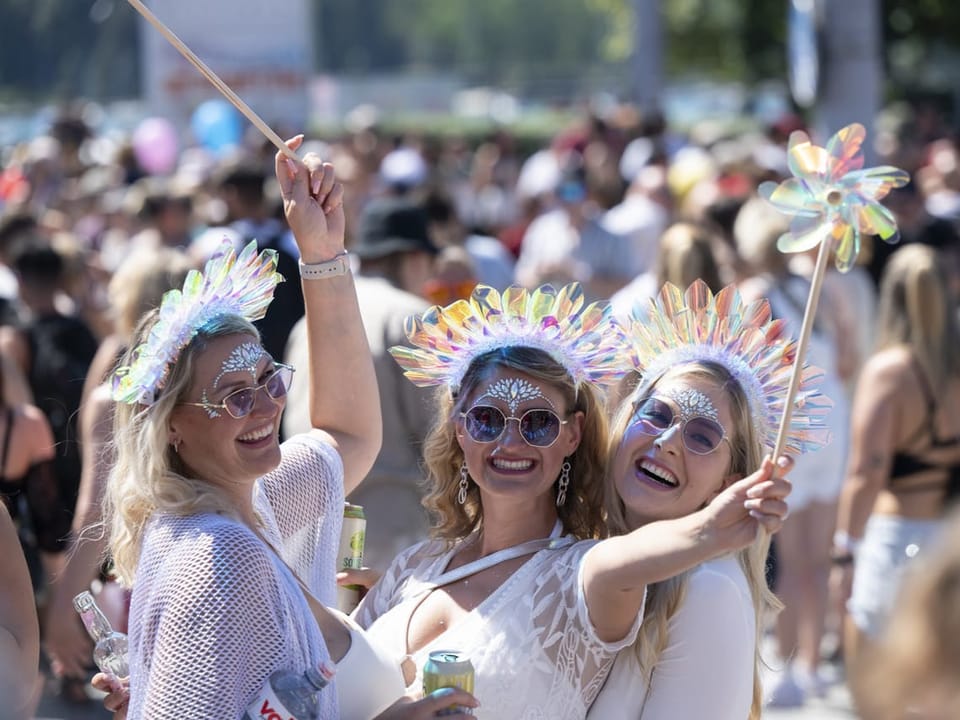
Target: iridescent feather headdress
(582, 338)
(680, 327)
(230, 284)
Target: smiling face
(669, 475)
(504, 465)
(213, 445)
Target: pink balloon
(155, 145)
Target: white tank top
(369, 679)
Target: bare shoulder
(891, 367)
(33, 429)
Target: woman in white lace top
(514, 577)
(227, 537)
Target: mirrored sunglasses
(701, 435)
(538, 427)
(239, 403)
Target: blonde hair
(665, 598)
(686, 254)
(139, 283)
(148, 475)
(917, 310)
(917, 659)
(581, 514)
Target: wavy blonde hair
(148, 476)
(917, 309)
(687, 254)
(665, 598)
(582, 513)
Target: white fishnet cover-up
(214, 612)
(534, 650)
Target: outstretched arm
(617, 571)
(344, 404)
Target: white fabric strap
(553, 541)
(340, 265)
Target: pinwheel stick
(214, 79)
(809, 314)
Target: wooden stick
(813, 299)
(214, 79)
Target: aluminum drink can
(448, 668)
(350, 554)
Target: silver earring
(462, 489)
(563, 483)
(176, 446)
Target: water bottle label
(267, 706)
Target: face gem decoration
(244, 357)
(513, 391)
(693, 403)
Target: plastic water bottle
(110, 646)
(289, 695)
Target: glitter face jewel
(832, 196)
(244, 357)
(693, 403)
(514, 391)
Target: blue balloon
(216, 125)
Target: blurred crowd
(90, 238)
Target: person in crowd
(228, 538)
(704, 409)
(492, 262)
(686, 252)
(802, 547)
(904, 465)
(53, 350)
(135, 288)
(242, 186)
(912, 672)
(396, 258)
(516, 459)
(568, 243)
(19, 629)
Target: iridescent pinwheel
(833, 196)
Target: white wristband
(340, 265)
(844, 543)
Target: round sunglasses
(538, 427)
(701, 435)
(239, 403)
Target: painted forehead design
(693, 403)
(244, 357)
(513, 391)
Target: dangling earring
(462, 489)
(176, 446)
(563, 483)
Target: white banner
(261, 49)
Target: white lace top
(534, 650)
(214, 612)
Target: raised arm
(617, 571)
(344, 404)
(66, 641)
